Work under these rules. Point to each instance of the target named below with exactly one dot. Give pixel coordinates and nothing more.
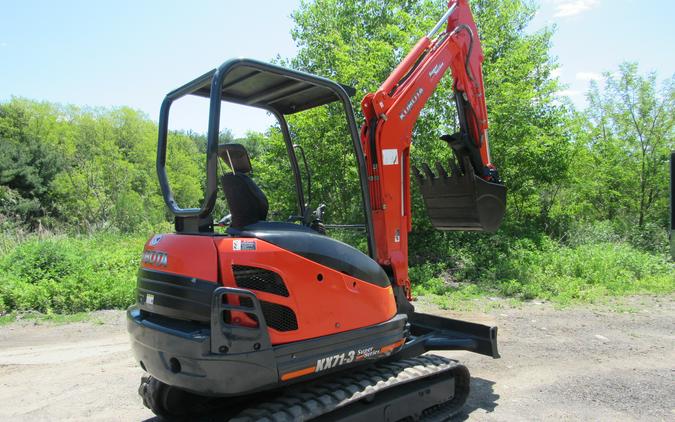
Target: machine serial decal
(156, 258)
(416, 96)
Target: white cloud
(588, 76)
(565, 8)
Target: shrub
(584, 273)
(73, 274)
(429, 278)
(66, 274)
(540, 268)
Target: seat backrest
(236, 157)
(246, 202)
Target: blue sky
(593, 36)
(133, 52)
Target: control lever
(225, 221)
(319, 211)
(317, 221)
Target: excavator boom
(468, 196)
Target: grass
(59, 275)
(563, 275)
(48, 318)
(66, 275)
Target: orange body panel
(334, 304)
(324, 300)
(190, 256)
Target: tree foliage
(90, 169)
(630, 126)
(29, 163)
(87, 169)
(367, 39)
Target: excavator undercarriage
(365, 381)
(424, 388)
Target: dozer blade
(460, 200)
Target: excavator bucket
(460, 200)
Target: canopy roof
(288, 92)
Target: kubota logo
(156, 258)
(411, 103)
(155, 240)
(436, 70)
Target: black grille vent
(279, 317)
(259, 279)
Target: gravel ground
(587, 363)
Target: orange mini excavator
(277, 321)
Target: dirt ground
(592, 363)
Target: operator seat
(247, 203)
(248, 208)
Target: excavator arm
(467, 196)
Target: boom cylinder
(443, 20)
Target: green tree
(88, 169)
(529, 126)
(630, 127)
(255, 143)
(359, 43)
(108, 182)
(29, 160)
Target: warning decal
(243, 245)
(389, 157)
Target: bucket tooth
(441, 171)
(454, 170)
(418, 175)
(427, 170)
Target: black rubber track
(308, 402)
